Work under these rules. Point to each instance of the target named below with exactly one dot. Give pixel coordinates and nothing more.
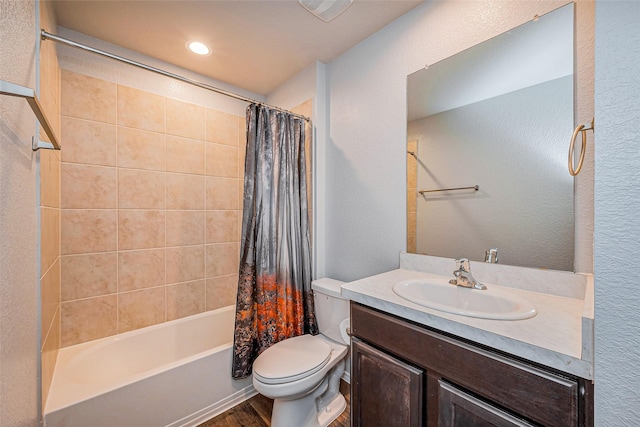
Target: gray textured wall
(366, 149)
(19, 352)
(617, 214)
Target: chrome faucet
(464, 277)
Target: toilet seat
(291, 360)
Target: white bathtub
(172, 374)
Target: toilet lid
(291, 359)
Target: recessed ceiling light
(199, 48)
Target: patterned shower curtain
(274, 288)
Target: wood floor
(256, 412)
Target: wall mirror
(487, 139)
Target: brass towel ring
(580, 129)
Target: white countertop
(555, 337)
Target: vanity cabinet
(405, 374)
(389, 390)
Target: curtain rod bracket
(37, 144)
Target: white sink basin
(492, 303)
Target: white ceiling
(257, 45)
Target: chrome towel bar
(12, 89)
(474, 187)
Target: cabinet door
(385, 391)
(459, 409)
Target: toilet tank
(331, 308)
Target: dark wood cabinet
(448, 382)
(389, 392)
(459, 409)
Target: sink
(492, 303)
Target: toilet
(302, 374)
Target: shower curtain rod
(48, 36)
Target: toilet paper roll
(345, 326)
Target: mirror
(487, 143)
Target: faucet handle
(491, 255)
(462, 264)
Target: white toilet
(302, 374)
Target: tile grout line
(206, 224)
(117, 219)
(164, 100)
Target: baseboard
(215, 409)
(346, 377)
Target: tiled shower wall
(49, 207)
(151, 208)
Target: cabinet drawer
(536, 394)
(460, 409)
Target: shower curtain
(274, 299)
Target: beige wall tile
(185, 155)
(222, 259)
(310, 219)
(185, 263)
(157, 235)
(140, 189)
(412, 200)
(50, 295)
(242, 154)
(184, 119)
(50, 347)
(50, 197)
(222, 160)
(90, 275)
(141, 110)
(88, 231)
(222, 128)
(242, 132)
(138, 309)
(411, 224)
(88, 319)
(185, 191)
(185, 299)
(88, 98)
(88, 142)
(49, 237)
(141, 269)
(141, 149)
(222, 291)
(240, 195)
(304, 109)
(141, 229)
(185, 228)
(412, 171)
(222, 193)
(411, 243)
(49, 178)
(222, 226)
(88, 187)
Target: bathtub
(173, 374)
